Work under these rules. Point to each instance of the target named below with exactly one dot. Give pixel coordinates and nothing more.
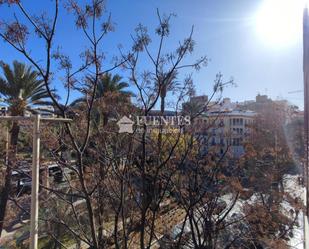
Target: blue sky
(224, 31)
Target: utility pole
(306, 119)
(35, 184)
(7, 142)
(36, 119)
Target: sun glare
(279, 22)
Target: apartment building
(44, 111)
(223, 127)
(229, 130)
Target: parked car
(58, 176)
(24, 185)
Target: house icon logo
(125, 125)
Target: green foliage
(21, 88)
(108, 84)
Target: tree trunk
(89, 206)
(162, 107)
(5, 192)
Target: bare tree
(122, 181)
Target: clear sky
(225, 31)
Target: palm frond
(77, 101)
(22, 82)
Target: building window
(221, 124)
(222, 141)
(234, 141)
(238, 121)
(237, 141)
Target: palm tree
(108, 85)
(21, 90)
(166, 82)
(112, 84)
